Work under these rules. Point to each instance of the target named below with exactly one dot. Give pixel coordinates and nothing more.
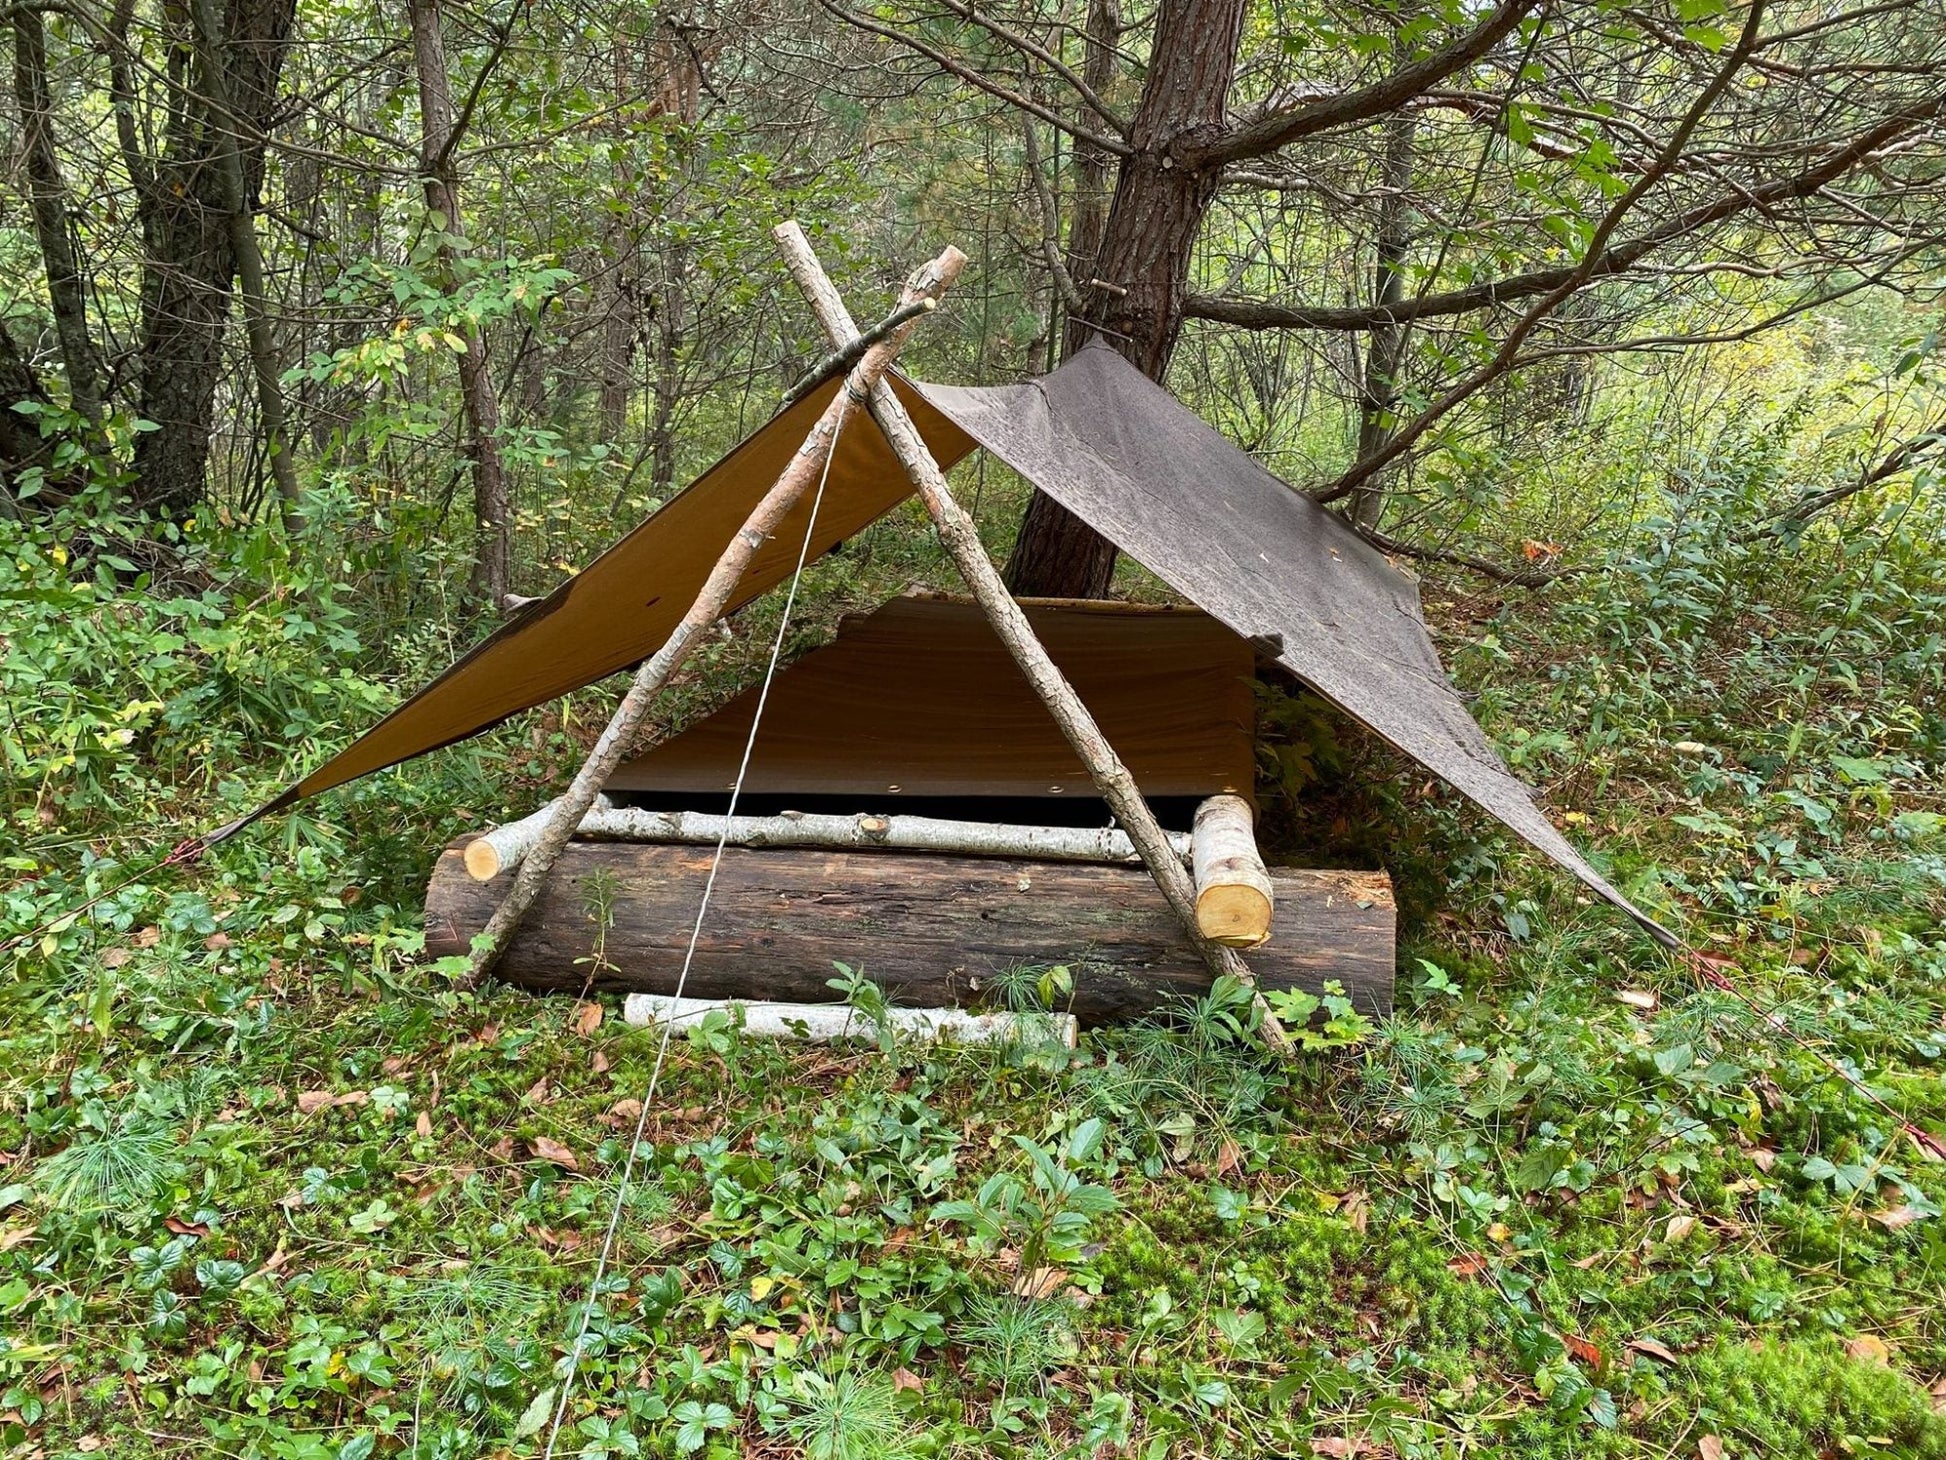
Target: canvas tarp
(1108, 444)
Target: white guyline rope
(695, 935)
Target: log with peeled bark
(839, 1023)
(501, 849)
(1234, 895)
(932, 930)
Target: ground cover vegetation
(272, 1184)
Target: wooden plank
(930, 929)
(920, 698)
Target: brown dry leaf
(489, 1034)
(1341, 1445)
(1894, 1218)
(309, 1102)
(1467, 1264)
(1653, 1349)
(423, 1124)
(1584, 1263)
(906, 1379)
(537, 1092)
(148, 937)
(115, 957)
(273, 1262)
(186, 1229)
(392, 1064)
(1582, 1350)
(1357, 1209)
(1042, 1282)
(88, 1444)
(1229, 1156)
(1679, 1227)
(1869, 1348)
(557, 1241)
(1938, 1392)
(216, 942)
(1709, 1448)
(1644, 999)
(552, 1150)
(599, 1064)
(12, 1237)
(502, 1149)
(622, 1113)
(587, 1018)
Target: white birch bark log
(1234, 900)
(834, 1023)
(488, 855)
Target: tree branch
(1366, 102)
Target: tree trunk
(47, 194)
(189, 256)
(1385, 342)
(1135, 292)
(492, 504)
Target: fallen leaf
(906, 1379)
(1357, 1209)
(1229, 1156)
(309, 1102)
(587, 1018)
(1467, 1264)
(1593, 1259)
(1340, 1445)
(599, 1064)
(1938, 1392)
(216, 942)
(392, 1064)
(148, 937)
(552, 1150)
(1869, 1348)
(1894, 1218)
(1763, 1157)
(1709, 1448)
(115, 957)
(424, 1123)
(1653, 1349)
(273, 1262)
(1042, 1282)
(489, 1034)
(186, 1229)
(622, 1113)
(12, 1237)
(1583, 1351)
(1643, 999)
(88, 1444)
(557, 1241)
(1679, 1227)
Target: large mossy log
(930, 929)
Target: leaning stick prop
(922, 293)
(962, 541)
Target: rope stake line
(185, 853)
(689, 954)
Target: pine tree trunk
(1135, 290)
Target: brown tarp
(1111, 446)
(922, 699)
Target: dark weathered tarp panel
(922, 699)
(1150, 475)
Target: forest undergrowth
(271, 1185)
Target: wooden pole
(798, 477)
(489, 855)
(962, 542)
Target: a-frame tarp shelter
(1112, 447)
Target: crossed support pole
(865, 384)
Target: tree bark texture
(933, 930)
(1134, 292)
(1378, 399)
(47, 199)
(439, 173)
(190, 257)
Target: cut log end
(482, 859)
(1235, 915)
(1235, 903)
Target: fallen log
(501, 849)
(1234, 896)
(932, 930)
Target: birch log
(961, 538)
(488, 855)
(836, 1023)
(797, 479)
(1234, 901)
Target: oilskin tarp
(1112, 447)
